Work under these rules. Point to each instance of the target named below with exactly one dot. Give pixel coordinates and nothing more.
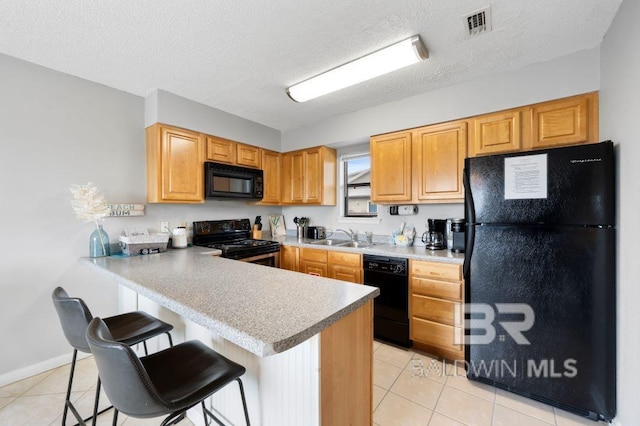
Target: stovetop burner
(232, 238)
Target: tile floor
(401, 397)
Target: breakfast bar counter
(306, 341)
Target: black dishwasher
(391, 308)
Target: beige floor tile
(5, 401)
(20, 387)
(564, 418)
(393, 355)
(464, 407)
(433, 368)
(420, 390)
(84, 405)
(438, 419)
(396, 410)
(384, 374)
(503, 416)
(459, 381)
(32, 410)
(524, 405)
(85, 378)
(378, 394)
(376, 345)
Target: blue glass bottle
(99, 243)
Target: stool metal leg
(244, 402)
(66, 400)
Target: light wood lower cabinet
(332, 264)
(345, 266)
(289, 258)
(436, 289)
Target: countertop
(414, 252)
(261, 309)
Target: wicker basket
(144, 244)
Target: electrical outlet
(164, 227)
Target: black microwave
(223, 181)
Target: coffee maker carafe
(433, 239)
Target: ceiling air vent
(478, 22)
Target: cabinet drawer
(347, 259)
(313, 255)
(438, 310)
(436, 270)
(435, 334)
(443, 289)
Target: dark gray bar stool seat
(130, 328)
(166, 383)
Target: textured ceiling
(239, 56)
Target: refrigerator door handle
(470, 236)
(470, 219)
(469, 207)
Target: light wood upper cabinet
(248, 156)
(271, 163)
(174, 165)
(293, 177)
(439, 152)
(391, 171)
(566, 121)
(309, 176)
(221, 150)
(496, 133)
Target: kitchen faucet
(351, 233)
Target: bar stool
(130, 328)
(166, 383)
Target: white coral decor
(88, 203)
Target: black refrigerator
(540, 276)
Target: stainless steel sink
(328, 242)
(356, 244)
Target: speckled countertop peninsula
(261, 309)
(417, 252)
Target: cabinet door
(496, 133)
(345, 266)
(439, 152)
(312, 176)
(271, 162)
(174, 165)
(345, 273)
(289, 258)
(558, 123)
(313, 268)
(391, 167)
(221, 150)
(248, 156)
(293, 177)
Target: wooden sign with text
(126, 209)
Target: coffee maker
(457, 235)
(434, 238)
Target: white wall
(58, 130)
(165, 107)
(619, 110)
(569, 75)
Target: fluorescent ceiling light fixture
(383, 61)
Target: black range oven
(232, 237)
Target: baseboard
(41, 367)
